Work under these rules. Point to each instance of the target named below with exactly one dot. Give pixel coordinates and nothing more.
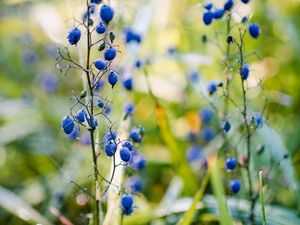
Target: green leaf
(176, 153)
(188, 216)
(217, 185)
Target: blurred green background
(37, 161)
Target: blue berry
(101, 28)
(127, 83)
(128, 144)
(258, 119)
(110, 136)
(80, 116)
(101, 103)
(107, 109)
(106, 13)
(245, 1)
(110, 148)
(131, 36)
(212, 87)
(207, 134)
(207, 17)
(96, 1)
(254, 30)
(112, 78)
(125, 154)
(100, 64)
(74, 135)
(231, 163)
(194, 153)
(99, 85)
(67, 124)
(208, 6)
(126, 201)
(135, 135)
(206, 115)
(235, 186)
(244, 71)
(218, 13)
(129, 108)
(74, 36)
(138, 64)
(110, 54)
(226, 126)
(194, 76)
(228, 5)
(138, 161)
(49, 82)
(135, 183)
(85, 139)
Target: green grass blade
(17, 206)
(261, 193)
(176, 153)
(188, 216)
(217, 185)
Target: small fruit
(80, 116)
(67, 124)
(135, 183)
(212, 87)
(74, 36)
(228, 5)
(101, 28)
(128, 83)
(126, 201)
(207, 17)
(206, 115)
(207, 133)
(218, 13)
(194, 153)
(245, 1)
(135, 135)
(254, 30)
(96, 1)
(244, 71)
(110, 54)
(208, 6)
(235, 186)
(106, 13)
(226, 126)
(100, 64)
(231, 163)
(112, 78)
(101, 104)
(125, 154)
(129, 108)
(110, 148)
(128, 144)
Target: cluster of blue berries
(86, 117)
(207, 132)
(212, 13)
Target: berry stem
(92, 129)
(248, 130)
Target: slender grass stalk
(261, 193)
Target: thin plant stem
(261, 193)
(248, 130)
(92, 128)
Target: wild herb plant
(89, 107)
